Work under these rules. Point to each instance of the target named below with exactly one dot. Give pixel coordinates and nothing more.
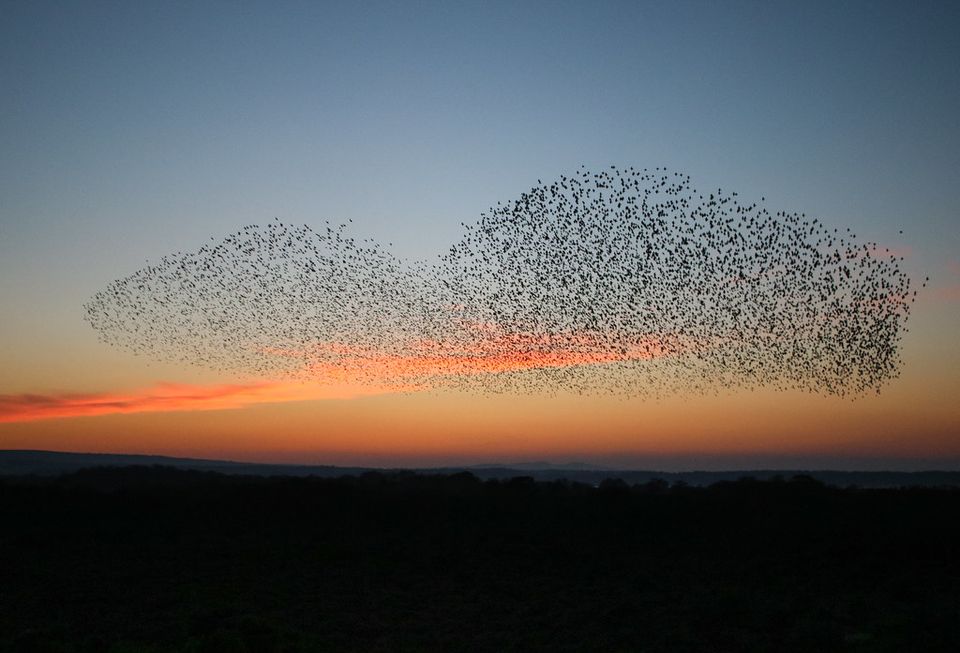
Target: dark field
(156, 559)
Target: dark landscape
(52, 463)
(158, 558)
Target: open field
(157, 559)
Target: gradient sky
(133, 130)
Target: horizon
(673, 467)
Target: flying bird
(625, 281)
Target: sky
(129, 131)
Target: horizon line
(520, 466)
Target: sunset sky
(129, 131)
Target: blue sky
(161, 123)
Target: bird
(620, 280)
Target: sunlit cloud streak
(380, 374)
(167, 397)
(433, 363)
(163, 397)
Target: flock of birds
(624, 281)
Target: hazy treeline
(158, 559)
(17, 462)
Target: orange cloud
(166, 397)
(340, 371)
(496, 352)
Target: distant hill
(540, 465)
(52, 463)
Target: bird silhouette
(622, 280)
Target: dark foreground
(154, 559)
